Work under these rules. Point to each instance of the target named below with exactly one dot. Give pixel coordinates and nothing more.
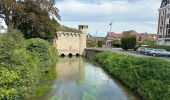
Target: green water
(78, 79)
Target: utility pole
(109, 43)
(96, 38)
(111, 26)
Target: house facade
(164, 23)
(139, 36)
(112, 36)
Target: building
(144, 36)
(117, 36)
(164, 23)
(131, 33)
(3, 26)
(71, 43)
(112, 36)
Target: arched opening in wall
(62, 55)
(70, 55)
(77, 55)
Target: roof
(131, 32)
(113, 34)
(164, 3)
(148, 35)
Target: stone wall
(70, 42)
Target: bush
(160, 47)
(22, 64)
(100, 43)
(116, 43)
(150, 77)
(128, 42)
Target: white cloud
(140, 15)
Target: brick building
(117, 36)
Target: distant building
(71, 43)
(164, 23)
(131, 33)
(117, 36)
(112, 36)
(144, 36)
(3, 26)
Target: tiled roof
(113, 34)
(131, 32)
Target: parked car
(141, 50)
(147, 51)
(159, 52)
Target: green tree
(128, 42)
(116, 43)
(100, 43)
(149, 41)
(32, 17)
(92, 43)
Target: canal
(79, 79)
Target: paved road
(133, 53)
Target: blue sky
(139, 15)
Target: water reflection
(77, 79)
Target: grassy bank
(23, 63)
(150, 77)
(45, 83)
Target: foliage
(22, 64)
(128, 42)
(100, 43)
(37, 24)
(149, 41)
(32, 17)
(92, 43)
(116, 43)
(67, 29)
(150, 77)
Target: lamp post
(111, 26)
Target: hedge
(128, 42)
(150, 77)
(22, 64)
(160, 47)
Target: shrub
(116, 43)
(100, 43)
(128, 42)
(148, 76)
(22, 64)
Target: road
(133, 53)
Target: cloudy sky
(139, 15)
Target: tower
(164, 23)
(84, 30)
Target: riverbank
(45, 83)
(147, 76)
